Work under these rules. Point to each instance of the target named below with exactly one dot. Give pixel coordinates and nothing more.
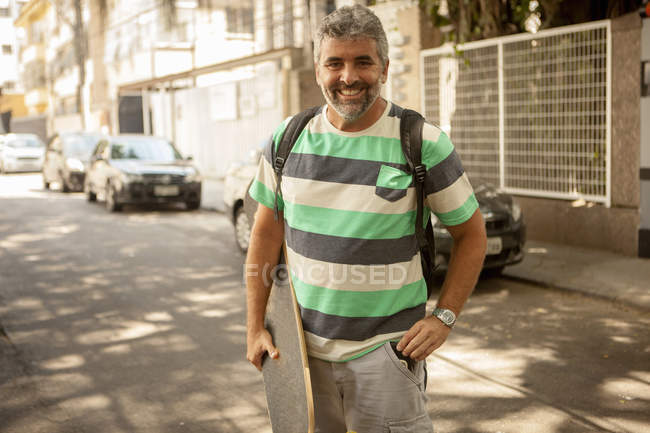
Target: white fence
(529, 113)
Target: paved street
(134, 322)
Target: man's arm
(466, 261)
(267, 236)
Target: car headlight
(192, 175)
(132, 177)
(74, 164)
(516, 212)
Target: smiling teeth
(349, 92)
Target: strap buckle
(420, 173)
(278, 164)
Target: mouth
(347, 93)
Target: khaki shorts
(375, 393)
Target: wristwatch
(446, 316)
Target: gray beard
(341, 109)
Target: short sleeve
(264, 185)
(447, 189)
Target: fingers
(258, 348)
(423, 339)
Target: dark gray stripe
(335, 169)
(358, 328)
(390, 194)
(351, 251)
(645, 173)
(443, 174)
(395, 111)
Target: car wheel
(242, 229)
(90, 195)
(111, 203)
(193, 205)
(64, 185)
(46, 184)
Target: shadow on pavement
(123, 322)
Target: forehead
(348, 48)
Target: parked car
(504, 222)
(138, 169)
(66, 157)
(21, 152)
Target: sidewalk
(615, 277)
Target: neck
(368, 119)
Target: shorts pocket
(400, 366)
(419, 424)
(392, 183)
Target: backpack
(411, 124)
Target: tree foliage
(468, 20)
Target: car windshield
(79, 146)
(149, 149)
(24, 141)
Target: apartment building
(12, 98)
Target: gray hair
(350, 23)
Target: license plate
(165, 190)
(494, 246)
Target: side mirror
(189, 158)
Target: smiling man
(347, 215)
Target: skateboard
(286, 379)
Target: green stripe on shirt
(348, 303)
(349, 224)
(433, 153)
(461, 214)
(381, 149)
(262, 194)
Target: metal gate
(529, 113)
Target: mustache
(357, 85)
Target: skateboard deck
(286, 379)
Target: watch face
(448, 317)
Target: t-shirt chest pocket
(392, 183)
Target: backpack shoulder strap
(411, 125)
(288, 139)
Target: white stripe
(357, 278)
(452, 197)
(389, 127)
(431, 132)
(266, 175)
(340, 350)
(340, 196)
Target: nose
(349, 74)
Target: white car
(21, 152)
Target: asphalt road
(134, 322)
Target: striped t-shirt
(349, 213)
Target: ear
(317, 74)
(384, 74)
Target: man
(348, 217)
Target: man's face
(350, 75)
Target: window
(7, 49)
(5, 12)
(239, 20)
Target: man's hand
(257, 345)
(423, 338)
